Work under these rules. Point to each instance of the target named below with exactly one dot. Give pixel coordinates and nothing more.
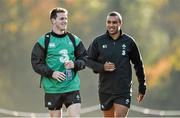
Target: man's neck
(115, 36)
(58, 31)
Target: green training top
(60, 49)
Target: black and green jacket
(60, 49)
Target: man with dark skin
(110, 55)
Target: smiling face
(60, 22)
(113, 24)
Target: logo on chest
(123, 50)
(104, 46)
(52, 45)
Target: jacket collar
(107, 34)
(58, 35)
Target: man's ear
(53, 21)
(121, 23)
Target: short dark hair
(115, 13)
(54, 11)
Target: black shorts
(54, 101)
(107, 100)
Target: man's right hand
(108, 66)
(59, 76)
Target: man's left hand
(140, 97)
(69, 64)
